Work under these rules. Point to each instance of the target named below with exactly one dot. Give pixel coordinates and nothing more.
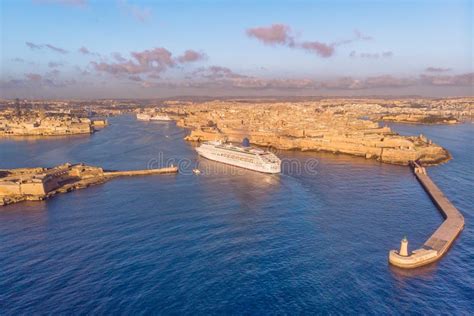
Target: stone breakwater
(438, 244)
(33, 184)
(298, 126)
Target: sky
(89, 49)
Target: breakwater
(438, 243)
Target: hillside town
(335, 125)
(340, 125)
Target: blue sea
(313, 240)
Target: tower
(404, 247)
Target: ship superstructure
(152, 117)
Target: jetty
(145, 172)
(438, 244)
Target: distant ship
(154, 117)
(241, 156)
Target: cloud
(74, 3)
(84, 50)
(437, 69)
(34, 80)
(140, 13)
(384, 81)
(33, 77)
(281, 34)
(360, 36)
(118, 57)
(216, 73)
(318, 48)
(466, 79)
(151, 62)
(34, 46)
(387, 54)
(52, 73)
(56, 49)
(191, 56)
(273, 34)
(223, 77)
(159, 58)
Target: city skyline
(91, 49)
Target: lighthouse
(404, 247)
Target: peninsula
(35, 184)
(304, 126)
(40, 123)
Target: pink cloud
(217, 72)
(273, 34)
(280, 34)
(33, 77)
(158, 57)
(318, 48)
(150, 62)
(384, 81)
(437, 69)
(191, 56)
(466, 79)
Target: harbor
(186, 235)
(438, 243)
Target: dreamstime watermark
(289, 166)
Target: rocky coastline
(297, 126)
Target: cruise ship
(240, 156)
(154, 117)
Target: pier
(438, 244)
(171, 169)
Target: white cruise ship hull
(255, 164)
(143, 117)
(160, 118)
